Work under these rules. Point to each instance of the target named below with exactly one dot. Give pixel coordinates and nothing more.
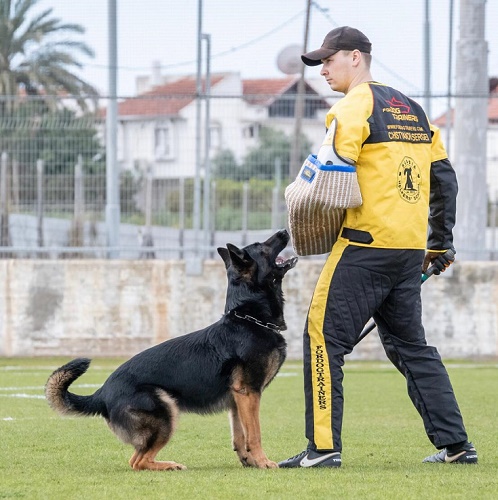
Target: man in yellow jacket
(405, 224)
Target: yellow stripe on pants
(321, 381)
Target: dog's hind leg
(146, 459)
(148, 431)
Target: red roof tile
(163, 100)
(169, 99)
(440, 121)
(264, 91)
(493, 107)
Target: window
(215, 137)
(163, 141)
(252, 131)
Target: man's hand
(439, 260)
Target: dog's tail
(63, 401)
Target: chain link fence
(184, 189)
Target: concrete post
(112, 173)
(470, 132)
(40, 173)
(4, 201)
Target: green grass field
(44, 456)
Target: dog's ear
(225, 255)
(239, 258)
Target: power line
(323, 11)
(214, 56)
(258, 39)
(335, 24)
(395, 75)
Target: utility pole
(194, 263)
(471, 123)
(449, 112)
(198, 86)
(427, 59)
(207, 148)
(299, 105)
(112, 173)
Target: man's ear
(356, 57)
(225, 255)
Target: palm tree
(36, 55)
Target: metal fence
(53, 174)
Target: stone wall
(117, 307)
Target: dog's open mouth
(285, 263)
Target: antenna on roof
(289, 59)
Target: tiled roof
(263, 91)
(493, 107)
(440, 121)
(170, 98)
(163, 100)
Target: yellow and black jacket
(401, 165)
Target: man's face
(337, 70)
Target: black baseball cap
(343, 38)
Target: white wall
(228, 109)
(117, 308)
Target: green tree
(59, 138)
(225, 165)
(36, 55)
(31, 132)
(260, 161)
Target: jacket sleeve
(442, 205)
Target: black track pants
(358, 283)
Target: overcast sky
(247, 36)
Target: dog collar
(252, 319)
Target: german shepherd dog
(224, 366)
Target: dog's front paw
(260, 462)
(267, 464)
(246, 460)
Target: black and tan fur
(224, 366)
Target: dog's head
(255, 275)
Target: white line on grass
(22, 395)
(38, 419)
(53, 367)
(41, 387)
(287, 373)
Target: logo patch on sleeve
(307, 174)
